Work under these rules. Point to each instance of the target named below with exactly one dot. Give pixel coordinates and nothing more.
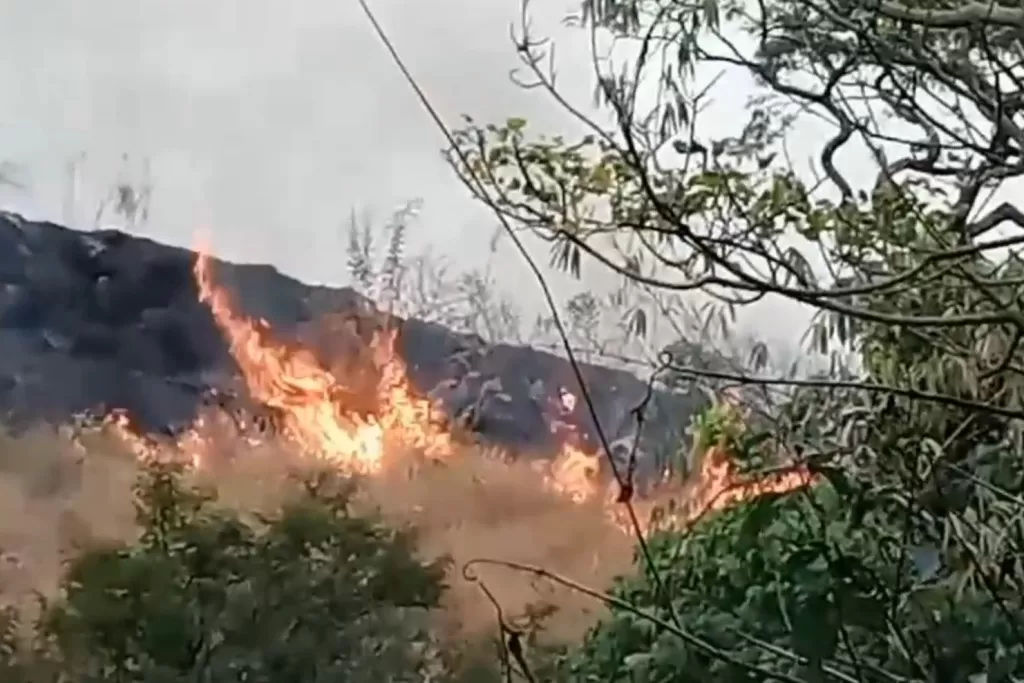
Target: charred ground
(96, 321)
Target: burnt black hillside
(91, 321)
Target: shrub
(315, 592)
(808, 585)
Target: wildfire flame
(292, 382)
(574, 473)
(718, 486)
(191, 446)
(310, 403)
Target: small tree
(313, 593)
(893, 240)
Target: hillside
(96, 321)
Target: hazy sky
(266, 122)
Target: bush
(313, 593)
(803, 585)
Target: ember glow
(314, 412)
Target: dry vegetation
(57, 493)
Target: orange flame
(291, 381)
(190, 446)
(574, 473)
(311, 404)
(719, 486)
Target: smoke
(57, 497)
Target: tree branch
(969, 15)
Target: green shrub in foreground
(314, 593)
(806, 586)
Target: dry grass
(480, 508)
(53, 500)
(55, 496)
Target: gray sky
(266, 121)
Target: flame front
(291, 381)
(311, 406)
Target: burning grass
(59, 491)
(57, 494)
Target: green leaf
(516, 124)
(815, 632)
(762, 512)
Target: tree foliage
(902, 563)
(894, 238)
(799, 587)
(313, 593)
